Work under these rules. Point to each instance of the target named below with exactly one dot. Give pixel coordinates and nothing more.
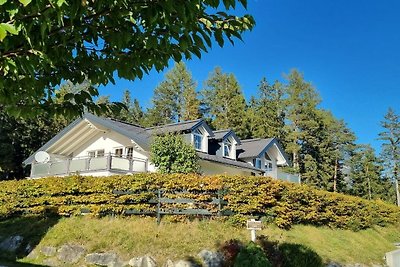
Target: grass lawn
(137, 236)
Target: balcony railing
(111, 163)
(284, 176)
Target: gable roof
(133, 132)
(222, 134)
(179, 127)
(252, 148)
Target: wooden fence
(186, 206)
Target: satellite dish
(42, 157)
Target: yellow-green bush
(284, 203)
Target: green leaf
(3, 33)
(2, 2)
(25, 2)
(9, 28)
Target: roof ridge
(252, 139)
(224, 130)
(171, 124)
(125, 122)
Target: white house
(98, 146)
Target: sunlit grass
(137, 236)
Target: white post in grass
(253, 225)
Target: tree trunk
(369, 184)
(396, 183)
(335, 176)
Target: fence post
(158, 207)
(219, 203)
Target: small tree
(171, 154)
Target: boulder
(48, 251)
(186, 263)
(12, 243)
(333, 264)
(169, 263)
(32, 255)
(104, 259)
(70, 253)
(210, 258)
(146, 261)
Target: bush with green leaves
(251, 255)
(285, 203)
(171, 154)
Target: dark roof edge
(281, 150)
(230, 163)
(172, 124)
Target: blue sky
(349, 50)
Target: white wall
(109, 142)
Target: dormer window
(198, 140)
(227, 149)
(257, 163)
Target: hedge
(283, 203)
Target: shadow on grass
(31, 228)
(278, 254)
(18, 264)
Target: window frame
(129, 152)
(227, 144)
(200, 136)
(119, 152)
(96, 153)
(257, 163)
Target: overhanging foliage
(43, 43)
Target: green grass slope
(138, 236)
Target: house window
(227, 149)
(197, 139)
(268, 165)
(118, 152)
(96, 153)
(257, 163)
(129, 152)
(100, 153)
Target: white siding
(109, 142)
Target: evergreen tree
(175, 99)
(132, 112)
(336, 143)
(269, 110)
(365, 174)
(391, 148)
(301, 130)
(252, 119)
(224, 103)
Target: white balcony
(111, 164)
(284, 176)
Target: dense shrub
(251, 255)
(283, 203)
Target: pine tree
(335, 144)
(133, 113)
(224, 103)
(270, 110)
(252, 119)
(301, 130)
(391, 148)
(175, 99)
(365, 174)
